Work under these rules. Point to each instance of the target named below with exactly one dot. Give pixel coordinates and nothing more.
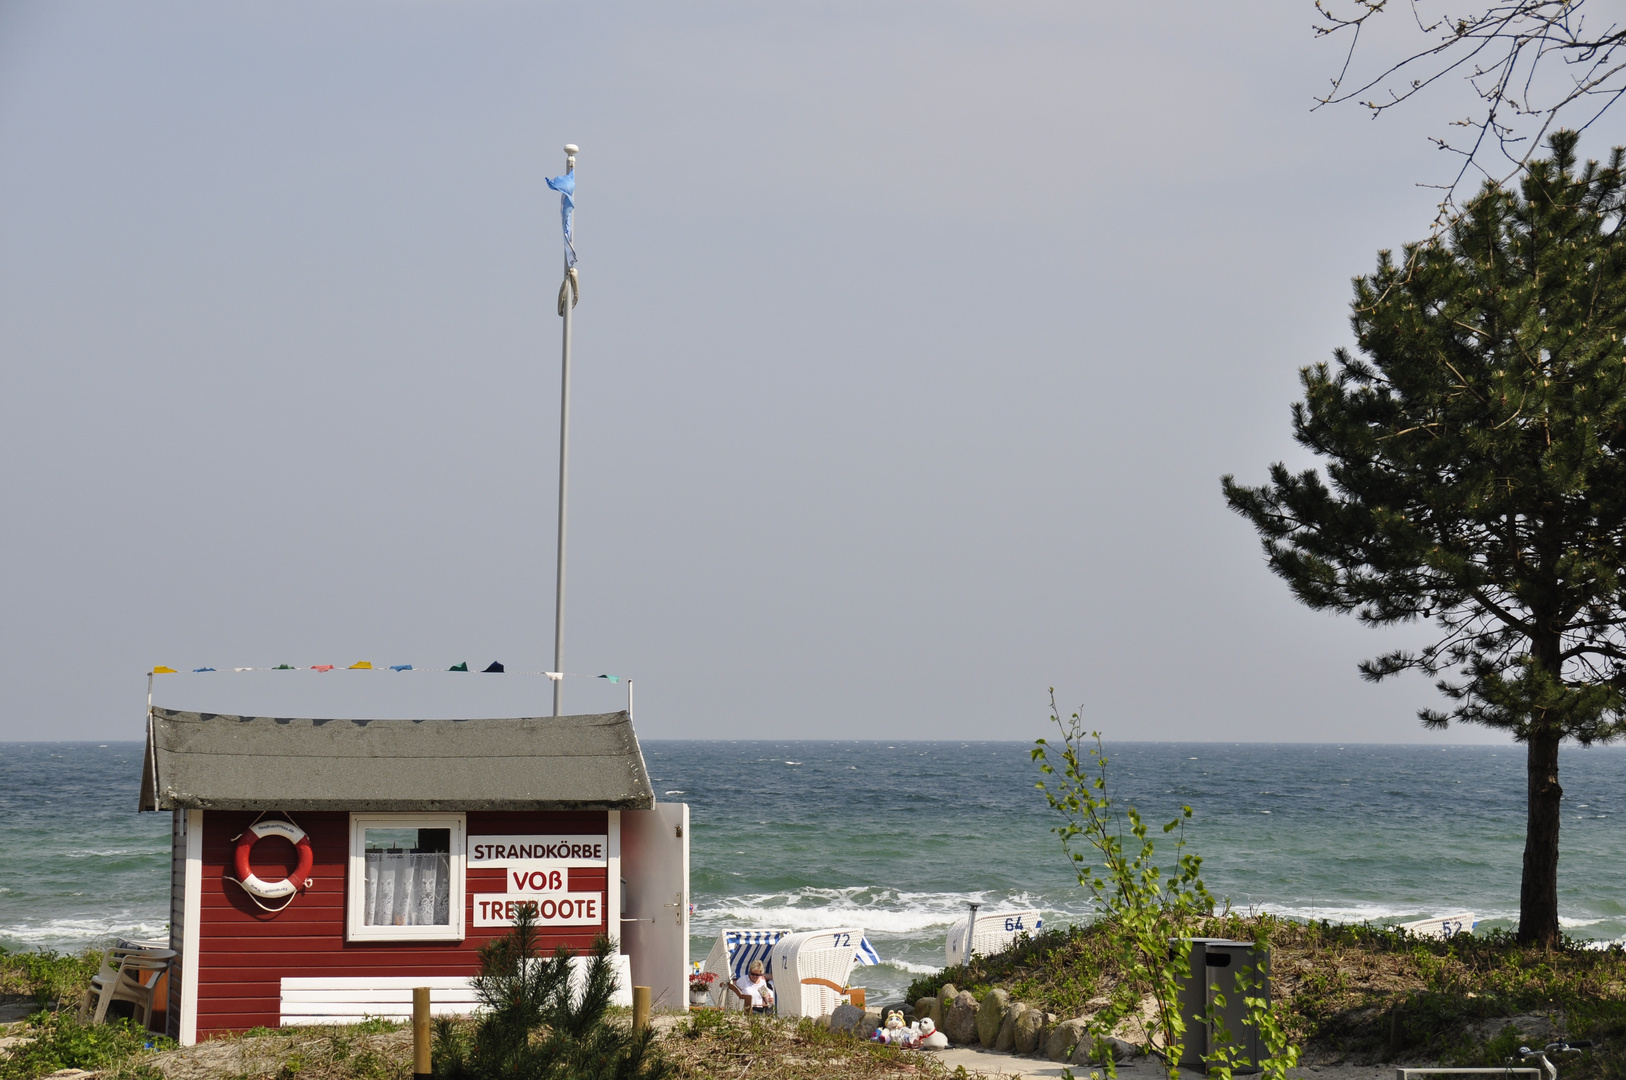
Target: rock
(1118, 1048)
(1121, 1048)
(927, 1006)
(946, 998)
(961, 1023)
(1028, 1022)
(847, 1018)
(1005, 1039)
(873, 1019)
(991, 1014)
(1059, 1047)
(1045, 1029)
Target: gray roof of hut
(213, 761)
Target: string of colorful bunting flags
(494, 668)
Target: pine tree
(1475, 454)
(536, 1027)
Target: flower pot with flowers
(700, 984)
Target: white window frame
(356, 880)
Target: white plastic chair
(128, 973)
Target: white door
(655, 925)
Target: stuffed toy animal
(930, 1037)
(892, 1031)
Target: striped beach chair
(731, 954)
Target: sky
(913, 342)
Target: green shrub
(61, 1042)
(48, 976)
(377, 1025)
(536, 1028)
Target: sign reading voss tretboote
(539, 851)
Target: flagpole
(567, 301)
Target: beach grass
(1357, 994)
(701, 1046)
(714, 1045)
(47, 977)
(1364, 994)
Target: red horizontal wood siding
(244, 953)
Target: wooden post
(420, 1033)
(640, 1008)
(856, 996)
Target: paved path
(1009, 1065)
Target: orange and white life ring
(274, 890)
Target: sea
(897, 838)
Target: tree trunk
(1538, 893)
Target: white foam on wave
(796, 918)
(1572, 924)
(1354, 913)
(885, 912)
(82, 932)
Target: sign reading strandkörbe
(538, 851)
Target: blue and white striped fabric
(867, 955)
(745, 946)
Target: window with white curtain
(406, 876)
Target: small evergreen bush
(536, 1028)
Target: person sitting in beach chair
(755, 991)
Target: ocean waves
(880, 911)
(73, 934)
(899, 839)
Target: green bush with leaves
(61, 1042)
(536, 1027)
(1147, 913)
(48, 976)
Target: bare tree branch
(1498, 50)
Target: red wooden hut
(323, 868)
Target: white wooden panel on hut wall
(311, 1019)
(191, 927)
(375, 982)
(383, 997)
(371, 1007)
(347, 1000)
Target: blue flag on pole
(566, 187)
